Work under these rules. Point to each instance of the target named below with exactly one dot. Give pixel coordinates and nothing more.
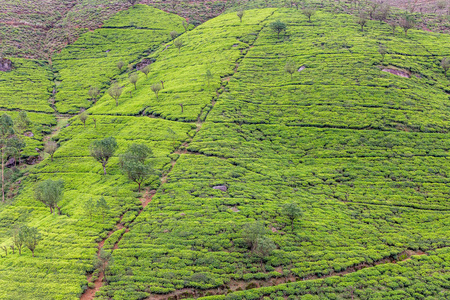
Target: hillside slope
(362, 152)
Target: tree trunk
(139, 187)
(51, 157)
(32, 251)
(59, 209)
(104, 168)
(3, 174)
(51, 210)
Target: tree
(103, 150)
(31, 237)
(102, 207)
(264, 246)
(252, 232)
(133, 163)
(88, 208)
(240, 14)
(362, 21)
(383, 13)
(132, 2)
(407, 23)
(290, 67)
(50, 148)
(382, 50)
(22, 122)
(120, 65)
(18, 238)
(445, 64)
(115, 91)
(133, 78)
(83, 117)
(178, 43)
(146, 70)
(292, 211)
(308, 12)
(50, 192)
(209, 76)
(185, 25)
(173, 34)
(278, 27)
(9, 144)
(93, 93)
(393, 24)
(156, 88)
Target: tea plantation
(236, 139)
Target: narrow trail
(239, 285)
(89, 293)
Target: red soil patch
(397, 72)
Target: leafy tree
(31, 237)
(146, 70)
(83, 117)
(278, 27)
(407, 23)
(120, 65)
(88, 208)
(50, 192)
(133, 78)
(292, 211)
(22, 122)
(178, 43)
(94, 92)
(252, 232)
(264, 246)
(102, 207)
(308, 12)
(290, 67)
(156, 88)
(173, 34)
(102, 260)
(209, 76)
(103, 150)
(18, 238)
(382, 50)
(50, 148)
(362, 21)
(133, 164)
(240, 14)
(115, 91)
(9, 144)
(445, 64)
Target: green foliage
(133, 78)
(290, 67)
(240, 14)
(278, 27)
(114, 92)
(50, 148)
(50, 193)
(93, 93)
(252, 233)
(292, 211)
(445, 64)
(102, 150)
(133, 163)
(31, 237)
(102, 207)
(156, 88)
(178, 43)
(83, 117)
(308, 12)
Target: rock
(400, 73)
(107, 51)
(301, 68)
(143, 63)
(37, 149)
(223, 188)
(5, 65)
(28, 134)
(11, 162)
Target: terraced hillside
(361, 151)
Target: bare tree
(393, 24)
(382, 50)
(173, 34)
(407, 23)
(120, 65)
(362, 21)
(132, 2)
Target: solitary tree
(103, 150)
(22, 122)
(83, 117)
(50, 148)
(407, 23)
(50, 192)
(133, 163)
(9, 144)
(178, 43)
(292, 211)
(31, 238)
(94, 92)
(133, 78)
(18, 238)
(115, 91)
(173, 34)
(240, 14)
(362, 21)
(290, 67)
(252, 232)
(156, 88)
(382, 50)
(393, 24)
(146, 70)
(102, 207)
(278, 27)
(120, 65)
(445, 64)
(264, 247)
(209, 76)
(308, 12)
